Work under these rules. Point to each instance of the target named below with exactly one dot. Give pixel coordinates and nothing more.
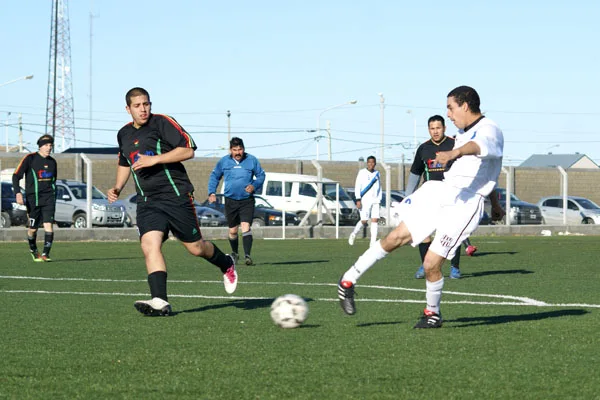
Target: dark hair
(436, 118)
(371, 158)
(136, 91)
(236, 141)
(45, 139)
(466, 94)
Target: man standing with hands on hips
(242, 177)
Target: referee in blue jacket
(243, 176)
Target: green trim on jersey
(167, 169)
(135, 178)
(35, 184)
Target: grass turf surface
(521, 324)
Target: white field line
(516, 300)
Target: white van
(300, 196)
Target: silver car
(579, 210)
(71, 206)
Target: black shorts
(175, 214)
(42, 213)
(238, 211)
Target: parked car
(71, 206)
(300, 196)
(579, 210)
(264, 213)
(12, 213)
(521, 212)
(206, 216)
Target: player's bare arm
(497, 211)
(176, 155)
(468, 149)
(123, 174)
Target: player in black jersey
(40, 172)
(151, 148)
(424, 165)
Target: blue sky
(277, 65)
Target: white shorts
(369, 211)
(452, 213)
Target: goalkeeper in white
(367, 190)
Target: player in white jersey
(451, 208)
(367, 190)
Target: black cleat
(346, 296)
(249, 261)
(235, 257)
(429, 319)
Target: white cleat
(351, 239)
(156, 307)
(230, 279)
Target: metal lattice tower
(60, 115)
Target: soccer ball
(289, 311)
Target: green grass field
(522, 324)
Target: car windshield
(80, 192)
(502, 197)
(588, 204)
(260, 202)
(329, 192)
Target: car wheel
(5, 220)
(63, 224)
(587, 221)
(258, 222)
(128, 222)
(381, 222)
(80, 221)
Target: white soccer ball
(289, 311)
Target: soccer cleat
(235, 257)
(351, 239)
(454, 273)
(420, 274)
(46, 258)
(429, 320)
(156, 307)
(248, 260)
(230, 279)
(471, 250)
(346, 296)
(36, 256)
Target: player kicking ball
(451, 208)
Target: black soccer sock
(158, 284)
(247, 242)
(467, 242)
(456, 259)
(32, 244)
(423, 247)
(234, 243)
(220, 259)
(48, 239)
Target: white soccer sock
(374, 226)
(359, 225)
(364, 262)
(433, 295)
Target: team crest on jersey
(136, 155)
(136, 142)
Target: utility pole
(382, 107)
(20, 133)
(228, 128)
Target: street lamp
(16, 80)
(329, 133)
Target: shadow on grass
(247, 304)
(298, 262)
(501, 272)
(96, 259)
(487, 253)
(504, 319)
(368, 324)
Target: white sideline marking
(516, 300)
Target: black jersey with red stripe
(424, 163)
(159, 135)
(40, 177)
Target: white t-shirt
(363, 180)
(478, 173)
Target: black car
(264, 213)
(12, 212)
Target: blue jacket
(237, 176)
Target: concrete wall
(529, 184)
